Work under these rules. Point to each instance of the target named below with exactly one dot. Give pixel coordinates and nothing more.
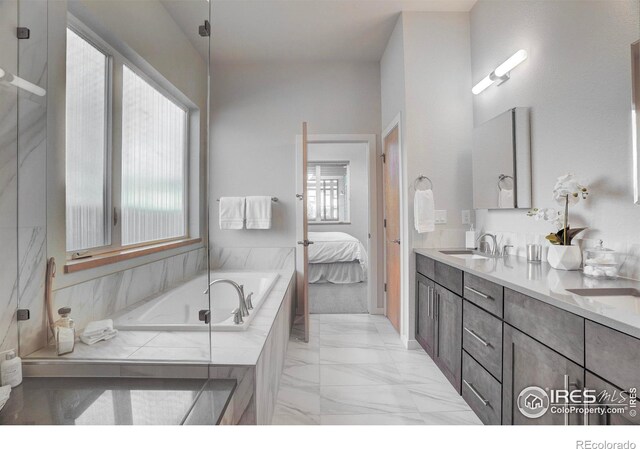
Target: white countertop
(546, 284)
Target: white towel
(424, 211)
(95, 328)
(258, 212)
(97, 331)
(231, 212)
(505, 199)
(5, 392)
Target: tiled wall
(252, 258)
(102, 297)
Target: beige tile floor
(354, 370)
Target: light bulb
(510, 63)
(482, 85)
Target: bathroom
(271, 209)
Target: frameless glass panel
(86, 144)
(153, 163)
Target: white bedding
(332, 247)
(336, 273)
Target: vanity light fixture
(501, 73)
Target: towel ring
(421, 178)
(502, 178)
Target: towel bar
(273, 198)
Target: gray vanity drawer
(449, 277)
(425, 266)
(484, 293)
(481, 391)
(482, 338)
(612, 355)
(560, 330)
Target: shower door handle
(205, 315)
(305, 243)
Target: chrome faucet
(494, 247)
(242, 304)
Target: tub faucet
(242, 305)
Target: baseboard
(410, 343)
(378, 311)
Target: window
(328, 192)
(87, 154)
(145, 134)
(154, 132)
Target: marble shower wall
(100, 298)
(8, 177)
(252, 258)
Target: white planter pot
(563, 257)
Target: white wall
(577, 82)
(436, 131)
(257, 111)
(356, 155)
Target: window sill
(311, 223)
(100, 260)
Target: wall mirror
(502, 162)
(635, 116)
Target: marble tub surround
(540, 281)
(355, 371)
(118, 401)
(252, 258)
(217, 348)
(102, 297)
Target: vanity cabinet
(448, 350)
(439, 317)
(425, 316)
(492, 342)
(528, 362)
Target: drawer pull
(476, 336)
(474, 391)
(482, 295)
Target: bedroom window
(328, 194)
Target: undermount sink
(464, 254)
(609, 293)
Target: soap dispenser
(11, 370)
(470, 238)
(64, 330)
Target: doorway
(341, 214)
(391, 232)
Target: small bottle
(65, 332)
(11, 370)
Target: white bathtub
(177, 309)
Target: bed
(336, 258)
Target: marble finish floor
(354, 370)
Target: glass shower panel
(8, 170)
(135, 114)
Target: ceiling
(300, 30)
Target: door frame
(372, 196)
(404, 242)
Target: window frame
(317, 220)
(113, 164)
(85, 34)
